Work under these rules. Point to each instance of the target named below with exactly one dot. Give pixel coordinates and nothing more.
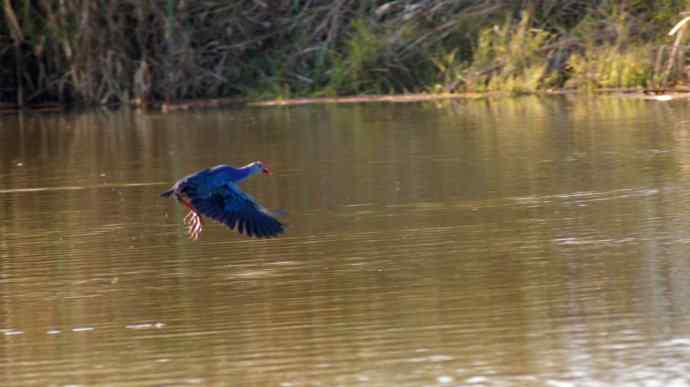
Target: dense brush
(123, 50)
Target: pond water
(525, 241)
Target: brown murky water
(531, 242)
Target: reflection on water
(495, 242)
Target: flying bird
(214, 193)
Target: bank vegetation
(142, 51)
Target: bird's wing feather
(229, 205)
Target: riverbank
(200, 104)
(79, 53)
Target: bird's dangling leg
(194, 225)
(189, 218)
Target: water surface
(529, 241)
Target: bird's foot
(189, 218)
(194, 225)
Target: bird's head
(259, 166)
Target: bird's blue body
(213, 192)
(210, 178)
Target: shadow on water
(528, 241)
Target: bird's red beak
(266, 171)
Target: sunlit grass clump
(511, 57)
(612, 67)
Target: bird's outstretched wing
(229, 205)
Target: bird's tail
(167, 193)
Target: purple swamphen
(213, 192)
